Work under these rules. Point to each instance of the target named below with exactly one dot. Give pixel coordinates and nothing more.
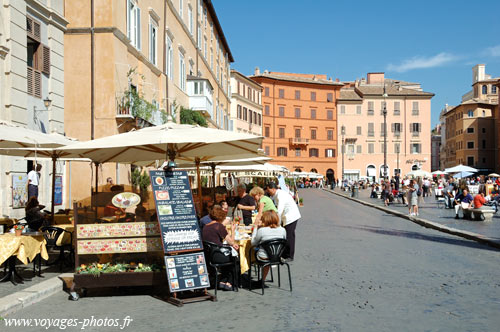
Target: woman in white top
(269, 229)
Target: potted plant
(301, 201)
(19, 229)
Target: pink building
(360, 111)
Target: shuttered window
(33, 28)
(45, 60)
(313, 152)
(282, 152)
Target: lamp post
(342, 132)
(385, 134)
(397, 152)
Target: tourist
(479, 201)
(34, 181)
(35, 218)
(289, 215)
(269, 229)
(264, 203)
(413, 198)
(462, 201)
(245, 203)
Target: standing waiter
(33, 181)
(289, 215)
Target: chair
(274, 250)
(51, 235)
(214, 254)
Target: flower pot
(19, 232)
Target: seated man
(448, 195)
(462, 201)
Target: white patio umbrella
(439, 173)
(419, 173)
(12, 136)
(460, 168)
(494, 175)
(461, 175)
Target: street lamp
(342, 132)
(385, 133)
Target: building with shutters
(300, 120)
(360, 111)
(470, 126)
(32, 62)
(246, 104)
(167, 54)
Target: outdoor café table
(66, 237)
(245, 248)
(25, 248)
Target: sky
(435, 43)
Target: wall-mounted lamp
(46, 102)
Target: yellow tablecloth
(25, 247)
(245, 251)
(65, 238)
(62, 219)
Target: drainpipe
(92, 55)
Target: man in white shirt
(33, 181)
(289, 215)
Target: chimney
(257, 71)
(478, 73)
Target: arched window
(314, 170)
(298, 170)
(414, 168)
(485, 89)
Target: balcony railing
(371, 112)
(298, 141)
(203, 104)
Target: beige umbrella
(12, 136)
(494, 175)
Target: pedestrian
(34, 181)
(413, 198)
(289, 216)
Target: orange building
(300, 120)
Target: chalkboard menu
(187, 272)
(176, 213)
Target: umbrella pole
(213, 180)
(198, 180)
(54, 158)
(96, 188)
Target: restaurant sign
(186, 272)
(176, 213)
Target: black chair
(274, 250)
(217, 259)
(51, 235)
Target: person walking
(34, 181)
(413, 198)
(289, 216)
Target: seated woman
(215, 232)
(34, 217)
(264, 203)
(269, 229)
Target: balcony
(298, 141)
(200, 93)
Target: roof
(378, 90)
(478, 101)
(349, 94)
(222, 37)
(291, 78)
(234, 71)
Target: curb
(33, 294)
(427, 223)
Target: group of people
(409, 191)
(276, 217)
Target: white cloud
(419, 62)
(493, 51)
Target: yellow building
(128, 64)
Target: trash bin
(355, 191)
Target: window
(484, 113)
(470, 161)
(38, 58)
(397, 148)
(259, 122)
(493, 89)
(358, 109)
(297, 132)
(329, 97)
(190, 20)
(342, 109)
(170, 59)
(313, 114)
(330, 153)
(281, 93)
(382, 147)
(182, 72)
(250, 117)
(370, 108)
(383, 129)
(267, 150)
(282, 111)
(485, 89)
(198, 89)
(415, 129)
(358, 149)
(329, 114)
(383, 106)
(397, 108)
(181, 7)
(245, 113)
(266, 109)
(329, 134)
(358, 130)
(313, 133)
(371, 129)
(281, 131)
(297, 112)
(415, 148)
(134, 23)
(415, 109)
(282, 152)
(205, 17)
(313, 152)
(153, 41)
(205, 47)
(297, 94)
(371, 148)
(313, 96)
(266, 91)
(470, 130)
(297, 152)
(470, 145)
(238, 112)
(484, 144)
(396, 128)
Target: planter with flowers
(19, 229)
